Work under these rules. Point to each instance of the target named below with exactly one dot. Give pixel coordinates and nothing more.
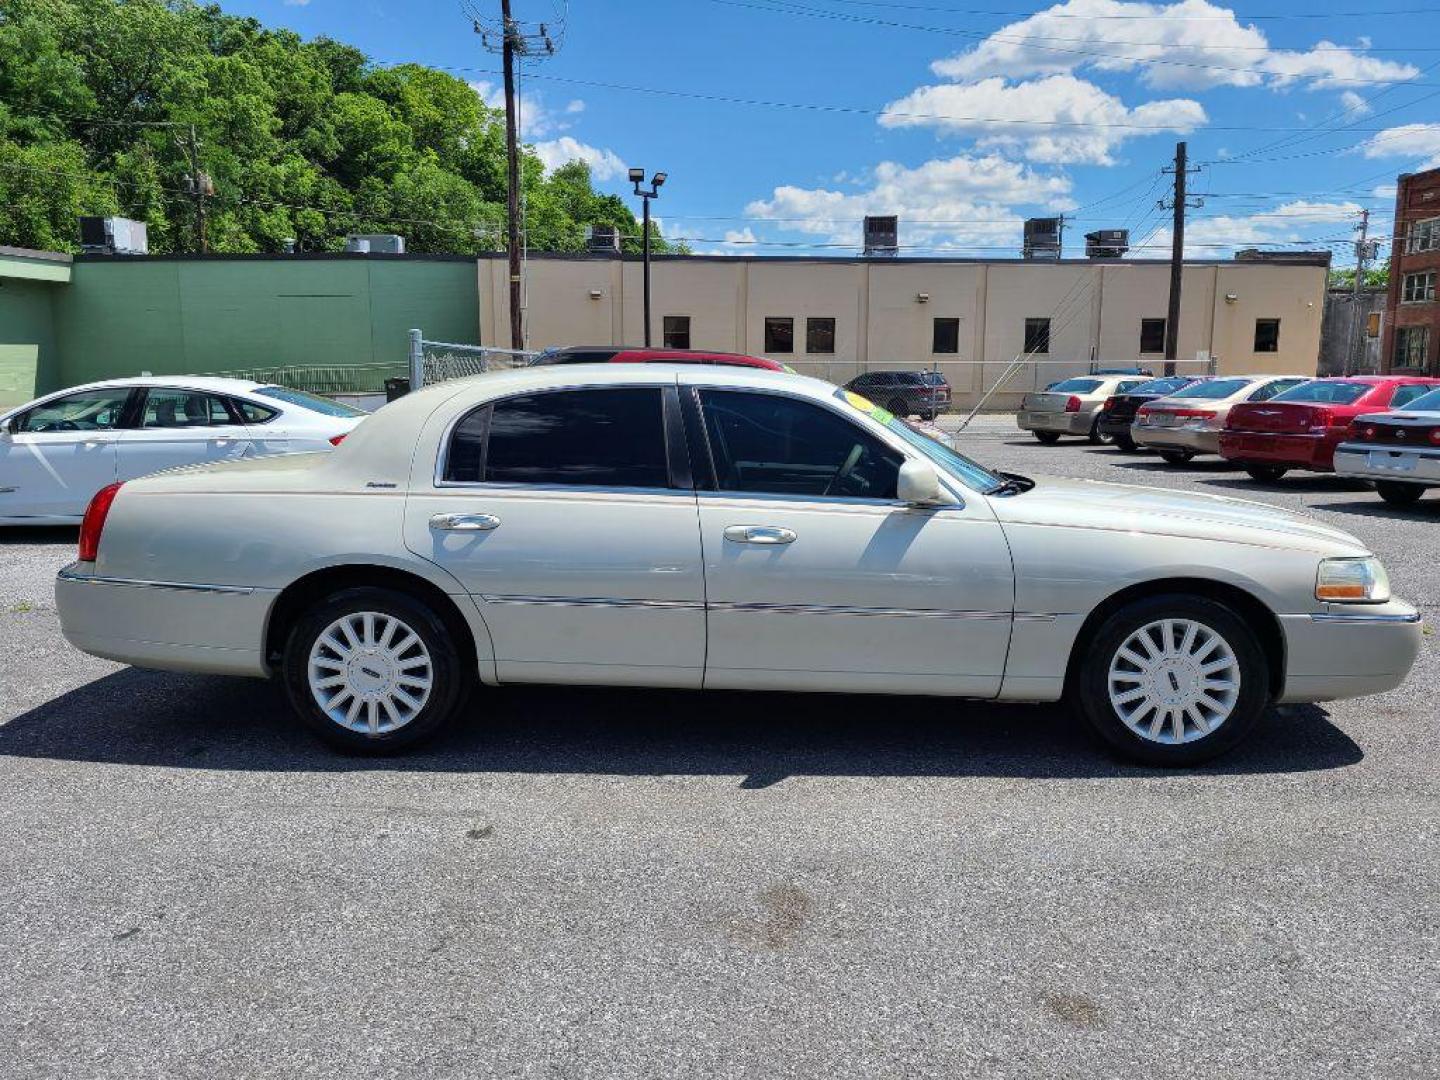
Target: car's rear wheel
(1266, 474)
(373, 670)
(1124, 442)
(1173, 680)
(1098, 437)
(1176, 457)
(1049, 438)
(1399, 494)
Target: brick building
(1412, 313)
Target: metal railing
(329, 380)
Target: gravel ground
(633, 884)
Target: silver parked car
(1071, 406)
(1398, 451)
(1189, 421)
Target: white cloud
(959, 201)
(1055, 99)
(1407, 141)
(296, 3)
(537, 120)
(1300, 224)
(604, 164)
(1385, 191)
(575, 106)
(1355, 105)
(1200, 45)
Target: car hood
(1092, 504)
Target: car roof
(214, 383)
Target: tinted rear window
(1213, 390)
(1425, 403)
(1326, 393)
(1075, 386)
(313, 402)
(1160, 386)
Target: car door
(181, 427)
(569, 516)
(817, 577)
(57, 454)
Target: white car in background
(59, 450)
(1397, 451)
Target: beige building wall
(884, 312)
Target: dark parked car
(1118, 411)
(905, 393)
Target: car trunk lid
(1280, 417)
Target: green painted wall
(191, 316)
(28, 361)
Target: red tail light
(1320, 419)
(1107, 404)
(1073, 404)
(1366, 432)
(336, 440)
(1143, 412)
(1435, 435)
(94, 522)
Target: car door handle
(759, 534)
(465, 522)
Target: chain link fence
(441, 361)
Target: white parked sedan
(57, 451)
(651, 525)
(1398, 451)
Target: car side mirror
(7, 428)
(919, 485)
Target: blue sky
(783, 122)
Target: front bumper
(1295, 451)
(1349, 650)
(1196, 440)
(1071, 423)
(177, 626)
(1404, 465)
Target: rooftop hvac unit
(113, 236)
(1107, 243)
(882, 234)
(604, 238)
(1042, 238)
(380, 243)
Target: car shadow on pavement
(136, 717)
(64, 535)
(1199, 465)
(1376, 507)
(1296, 485)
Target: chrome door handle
(759, 534)
(465, 522)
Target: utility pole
(513, 42)
(1177, 203)
(199, 185)
(1363, 251)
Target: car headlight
(1352, 581)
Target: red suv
(1300, 428)
(621, 354)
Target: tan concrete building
(836, 317)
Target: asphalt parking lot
(636, 884)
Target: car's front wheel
(1399, 494)
(373, 670)
(1173, 680)
(1049, 438)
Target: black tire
(1049, 438)
(1176, 457)
(1097, 438)
(1124, 442)
(1266, 474)
(1090, 687)
(450, 677)
(899, 408)
(928, 417)
(1397, 494)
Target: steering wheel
(61, 425)
(844, 470)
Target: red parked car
(621, 354)
(1300, 428)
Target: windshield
(1213, 389)
(968, 472)
(1425, 403)
(1075, 386)
(1326, 393)
(313, 402)
(1161, 386)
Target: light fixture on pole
(637, 177)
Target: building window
(1037, 335)
(1424, 235)
(820, 335)
(1417, 288)
(1267, 335)
(1152, 335)
(1372, 324)
(779, 334)
(946, 336)
(1412, 346)
(677, 331)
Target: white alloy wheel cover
(370, 673)
(1174, 681)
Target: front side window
(777, 445)
(677, 331)
(1412, 346)
(604, 437)
(184, 409)
(89, 410)
(820, 335)
(1037, 335)
(945, 337)
(1152, 335)
(1417, 288)
(1267, 335)
(779, 334)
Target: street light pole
(637, 177)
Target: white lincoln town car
(678, 526)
